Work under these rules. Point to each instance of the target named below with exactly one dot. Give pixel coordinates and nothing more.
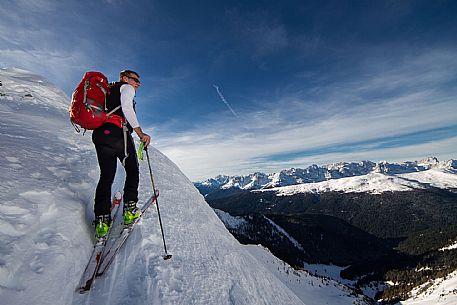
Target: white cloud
(31, 41)
(59, 39)
(58, 66)
(443, 149)
(212, 150)
(344, 116)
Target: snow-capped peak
(315, 173)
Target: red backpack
(88, 103)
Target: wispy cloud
(59, 66)
(264, 33)
(224, 100)
(30, 42)
(291, 126)
(55, 39)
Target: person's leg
(107, 161)
(132, 176)
(132, 179)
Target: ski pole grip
(140, 151)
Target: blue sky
(233, 87)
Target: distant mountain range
(380, 222)
(315, 173)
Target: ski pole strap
(125, 131)
(141, 151)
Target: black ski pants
(109, 144)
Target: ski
(119, 240)
(91, 269)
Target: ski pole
(166, 256)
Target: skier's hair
(127, 73)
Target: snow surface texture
(47, 183)
(306, 286)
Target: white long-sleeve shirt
(127, 95)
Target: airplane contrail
(224, 100)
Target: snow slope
(306, 286)
(311, 289)
(43, 193)
(441, 291)
(375, 183)
(47, 183)
(434, 177)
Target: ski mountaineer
(112, 143)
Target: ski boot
(102, 225)
(131, 212)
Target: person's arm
(146, 139)
(127, 95)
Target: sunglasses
(136, 80)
